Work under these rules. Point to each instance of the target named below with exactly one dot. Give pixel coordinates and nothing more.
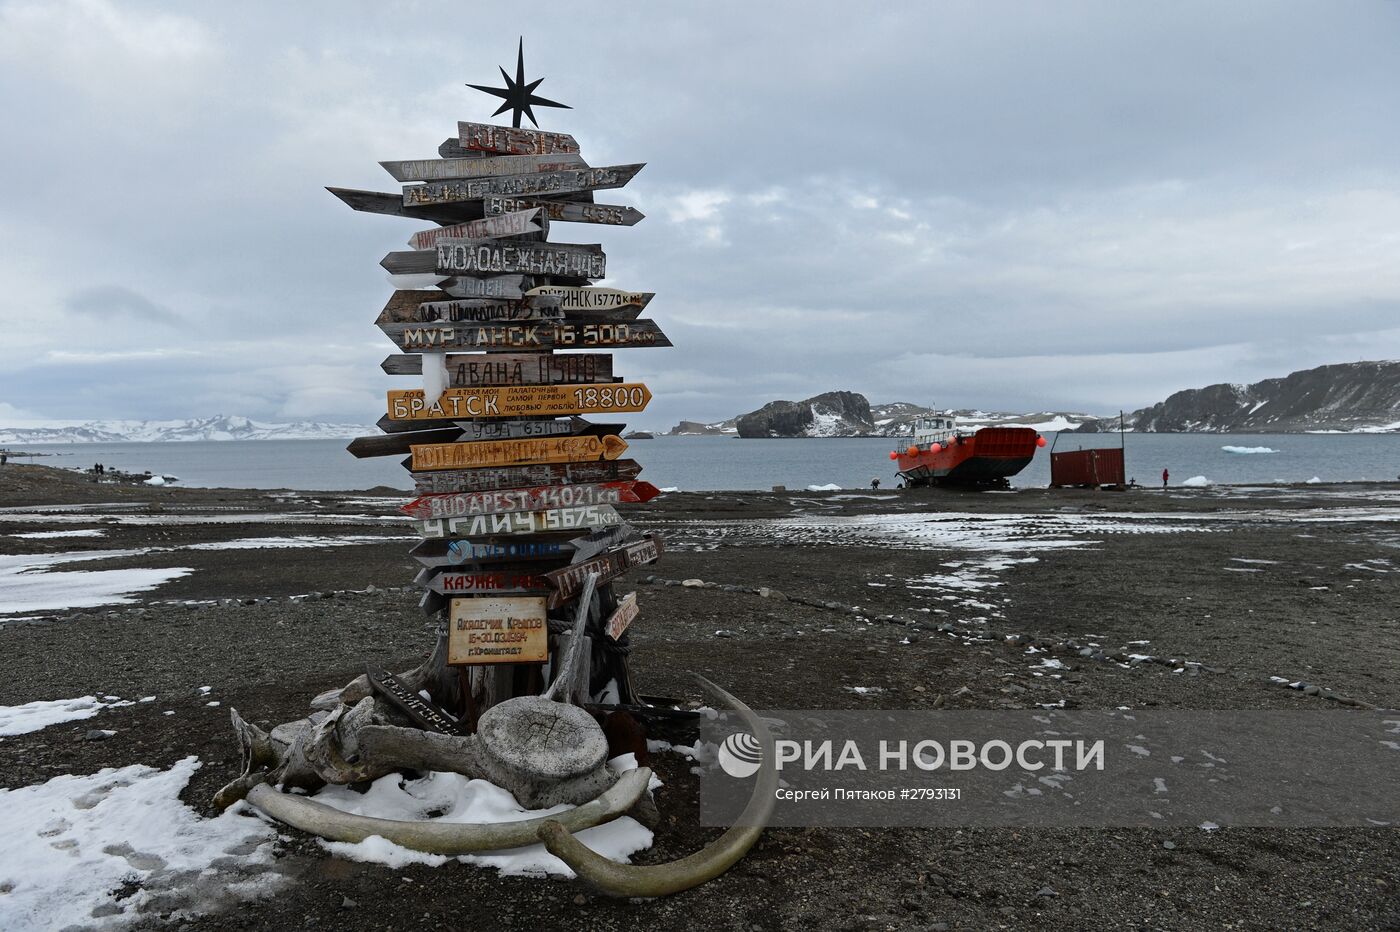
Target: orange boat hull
(987, 457)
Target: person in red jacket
(1165, 476)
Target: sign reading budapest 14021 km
(516, 452)
(538, 498)
(540, 183)
(498, 630)
(520, 401)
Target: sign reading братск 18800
(520, 400)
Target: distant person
(4, 458)
(1165, 476)
(875, 483)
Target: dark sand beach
(1280, 597)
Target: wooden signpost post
(517, 495)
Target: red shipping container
(1101, 466)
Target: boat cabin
(934, 429)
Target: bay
(725, 463)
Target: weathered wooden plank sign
(470, 370)
(498, 630)
(392, 444)
(514, 223)
(488, 257)
(536, 498)
(526, 335)
(481, 480)
(539, 183)
(418, 710)
(565, 211)
(485, 582)
(520, 401)
(428, 307)
(443, 552)
(591, 299)
(515, 452)
(556, 520)
(380, 202)
(494, 286)
(450, 169)
(513, 141)
(568, 580)
(622, 616)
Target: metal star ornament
(519, 97)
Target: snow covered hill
(218, 427)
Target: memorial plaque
(498, 630)
(520, 401)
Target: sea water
(719, 463)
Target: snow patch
(1197, 482)
(79, 850)
(33, 716)
(830, 487)
(28, 585)
(54, 535)
(1242, 450)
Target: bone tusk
(446, 837)
(631, 880)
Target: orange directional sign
(521, 452)
(520, 401)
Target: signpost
(513, 485)
(520, 401)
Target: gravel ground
(266, 629)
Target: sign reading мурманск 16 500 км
(529, 335)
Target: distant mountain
(1354, 396)
(218, 427)
(849, 414)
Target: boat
(941, 454)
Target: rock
(767, 593)
(692, 583)
(98, 734)
(1046, 891)
(1312, 690)
(832, 414)
(347, 903)
(1169, 845)
(961, 691)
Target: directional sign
(485, 257)
(556, 520)
(469, 370)
(595, 542)
(568, 580)
(448, 169)
(520, 401)
(494, 286)
(391, 444)
(379, 202)
(488, 582)
(514, 223)
(498, 630)
(419, 711)
(566, 212)
(526, 335)
(592, 299)
(441, 552)
(515, 452)
(622, 616)
(537, 498)
(513, 140)
(464, 310)
(513, 477)
(538, 184)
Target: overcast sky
(1017, 206)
